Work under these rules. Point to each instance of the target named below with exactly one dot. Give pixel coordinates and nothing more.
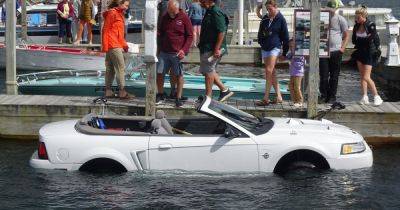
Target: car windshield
(243, 119)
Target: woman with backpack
(272, 36)
(367, 45)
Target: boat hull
(243, 88)
(53, 59)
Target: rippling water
(24, 187)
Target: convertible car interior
(140, 125)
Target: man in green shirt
(212, 46)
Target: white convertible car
(225, 139)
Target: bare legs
(196, 35)
(160, 83)
(178, 81)
(80, 31)
(270, 77)
(213, 78)
(365, 79)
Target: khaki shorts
(205, 65)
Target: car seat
(160, 124)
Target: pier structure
(23, 115)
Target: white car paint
(69, 149)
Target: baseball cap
(334, 4)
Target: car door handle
(164, 146)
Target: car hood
(314, 129)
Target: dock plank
(41, 109)
(393, 107)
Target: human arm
(284, 37)
(221, 29)
(345, 33)
(188, 38)
(217, 48)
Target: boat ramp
(23, 115)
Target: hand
(342, 50)
(126, 49)
(217, 53)
(282, 58)
(181, 54)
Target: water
(24, 187)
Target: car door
(202, 152)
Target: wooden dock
(23, 115)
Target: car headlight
(352, 148)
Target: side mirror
(230, 133)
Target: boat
(91, 83)
(44, 58)
(42, 24)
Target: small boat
(45, 58)
(91, 83)
(42, 24)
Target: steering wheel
(176, 130)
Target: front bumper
(35, 162)
(353, 161)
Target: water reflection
(22, 186)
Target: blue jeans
(64, 27)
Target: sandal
(262, 103)
(277, 101)
(126, 96)
(112, 95)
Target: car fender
(315, 148)
(110, 154)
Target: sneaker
(160, 97)
(178, 102)
(224, 95)
(173, 97)
(377, 100)
(364, 100)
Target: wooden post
(246, 26)
(11, 71)
(234, 38)
(240, 18)
(150, 44)
(304, 86)
(24, 25)
(313, 78)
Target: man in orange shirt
(113, 43)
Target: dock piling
(150, 48)
(313, 77)
(11, 71)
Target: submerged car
(225, 139)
